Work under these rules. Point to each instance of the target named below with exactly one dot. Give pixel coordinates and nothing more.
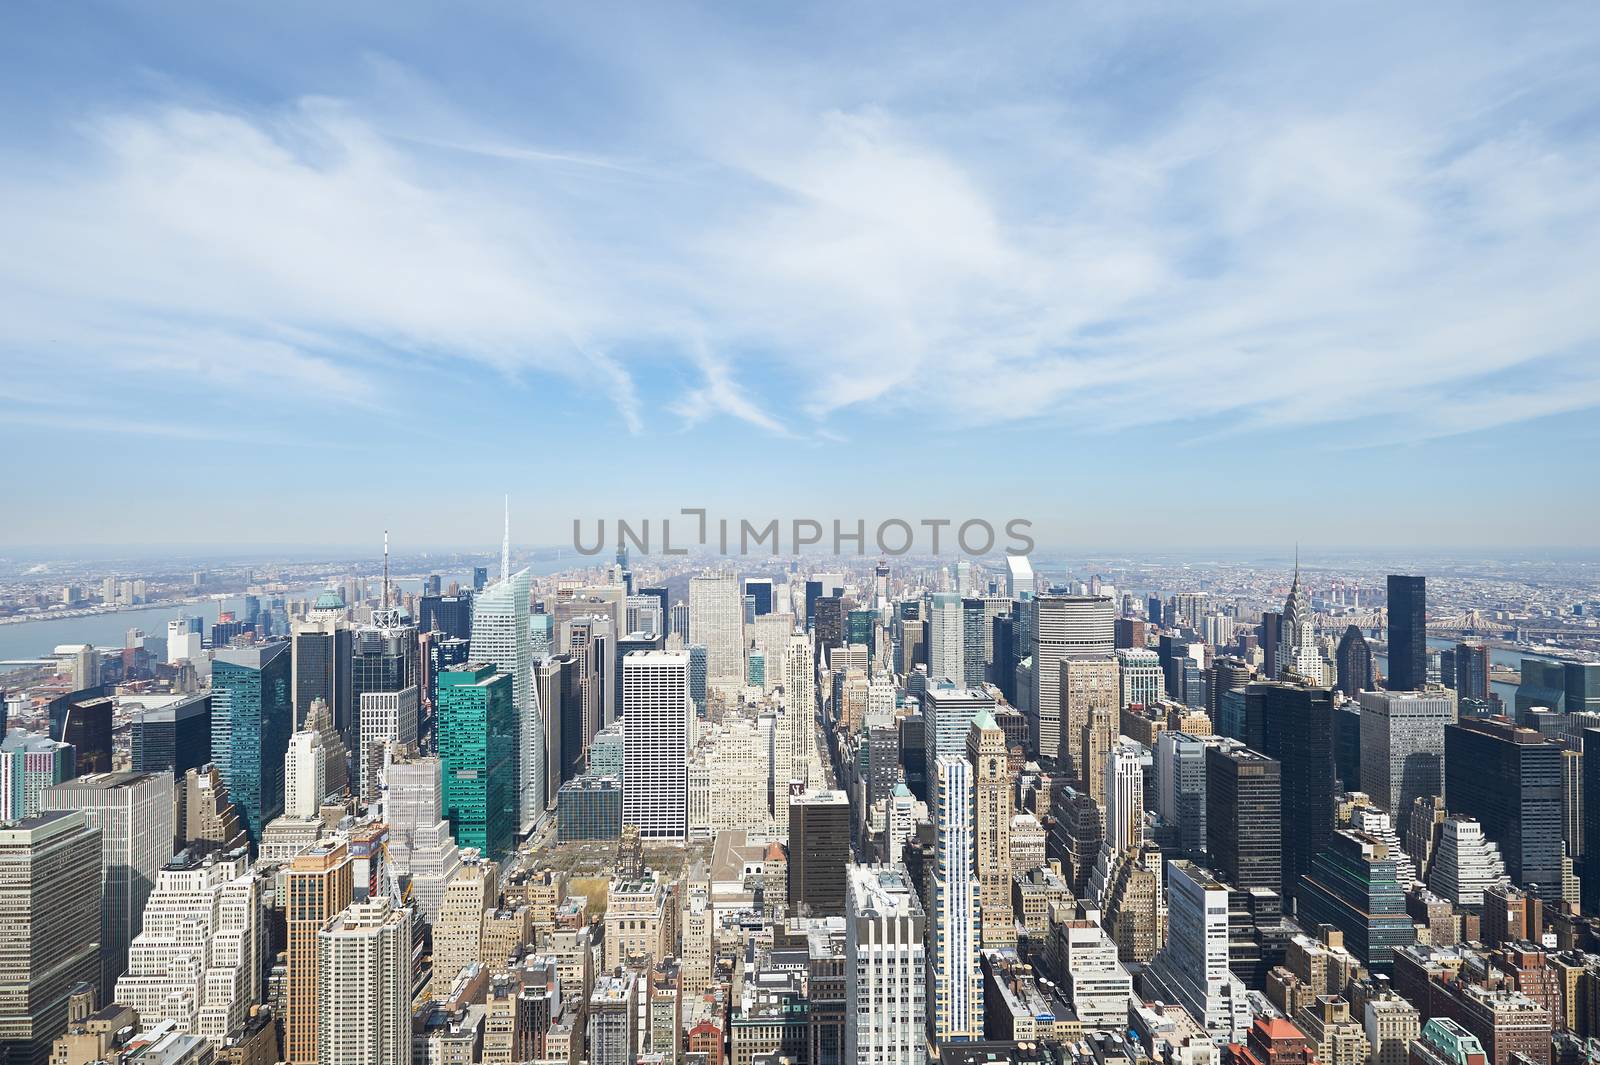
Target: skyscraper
(957, 979)
(50, 937)
(321, 668)
(1591, 823)
(388, 724)
(1297, 730)
(305, 775)
(364, 986)
(251, 719)
(1352, 885)
(197, 960)
(1139, 678)
(1192, 970)
(28, 765)
(501, 636)
(318, 886)
(948, 712)
(174, 738)
(657, 719)
(1408, 633)
(1509, 779)
(1063, 627)
(1299, 653)
(1402, 746)
(85, 723)
(884, 966)
(819, 850)
(716, 622)
(1357, 672)
(1180, 781)
(1124, 799)
(946, 646)
(478, 748)
(1244, 835)
(1088, 687)
(1472, 672)
(419, 833)
(134, 815)
(986, 750)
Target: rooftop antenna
(386, 569)
(505, 545)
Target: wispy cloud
(1089, 221)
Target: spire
(385, 601)
(1296, 564)
(505, 545)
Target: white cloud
(1007, 225)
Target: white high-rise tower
(501, 637)
(716, 622)
(655, 743)
(957, 979)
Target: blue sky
(1146, 274)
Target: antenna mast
(386, 569)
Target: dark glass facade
(1243, 804)
(172, 739)
(589, 808)
(251, 687)
(478, 758)
(1509, 779)
(1408, 633)
(1297, 729)
(1352, 885)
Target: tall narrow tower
(986, 750)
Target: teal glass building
(252, 715)
(477, 725)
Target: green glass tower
(478, 752)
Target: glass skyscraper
(251, 719)
(478, 754)
(1408, 633)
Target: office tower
(1402, 745)
(480, 577)
(1180, 781)
(335, 755)
(760, 589)
(458, 931)
(1297, 730)
(986, 750)
(183, 643)
(656, 716)
(197, 961)
(388, 724)
(1357, 672)
(1271, 637)
(1095, 981)
(561, 699)
(50, 937)
(205, 815)
(957, 1007)
(251, 719)
(1591, 823)
(1124, 799)
(1299, 653)
(1509, 779)
(1472, 671)
(305, 775)
(1225, 675)
(420, 845)
(30, 764)
(321, 668)
(1139, 679)
(1353, 886)
(318, 886)
(948, 712)
(1088, 686)
(716, 617)
(1347, 745)
(699, 677)
(946, 646)
(1020, 583)
(1095, 740)
(1244, 836)
(1192, 969)
(819, 850)
(1064, 627)
(501, 637)
(1077, 835)
(85, 723)
(1408, 633)
(447, 614)
(364, 986)
(1465, 863)
(478, 749)
(884, 966)
(134, 815)
(174, 738)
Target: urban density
(698, 532)
(817, 810)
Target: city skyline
(1269, 241)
